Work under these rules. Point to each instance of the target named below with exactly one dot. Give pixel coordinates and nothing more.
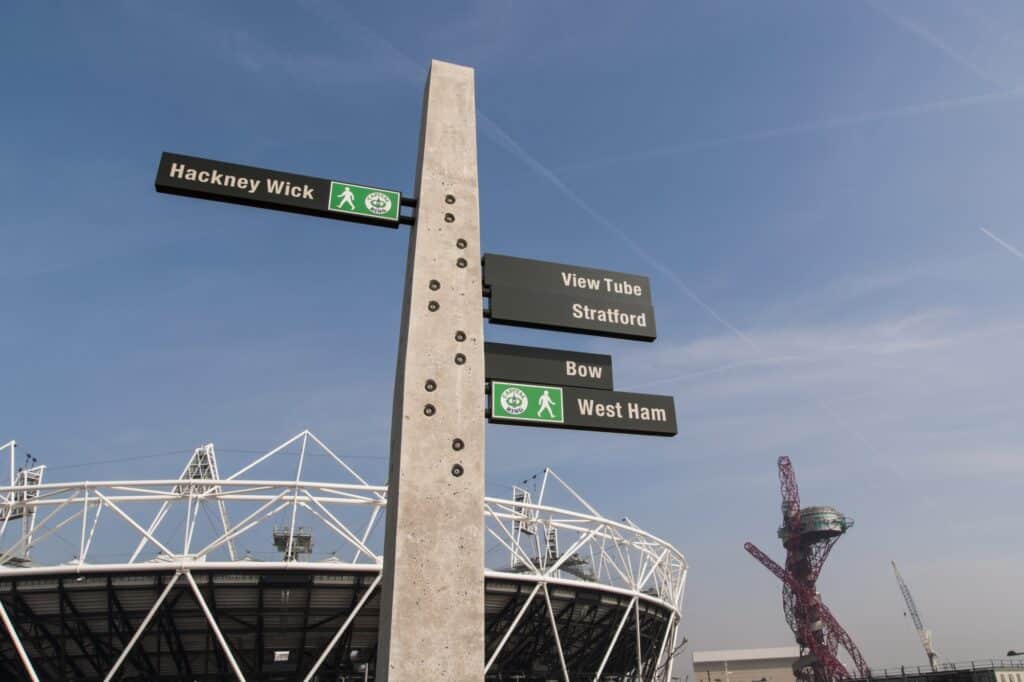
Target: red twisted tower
(808, 536)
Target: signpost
(533, 293)
(220, 181)
(432, 602)
(582, 408)
(547, 366)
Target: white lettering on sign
(607, 284)
(592, 408)
(646, 414)
(578, 369)
(622, 287)
(214, 177)
(571, 279)
(634, 411)
(288, 189)
(610, 315)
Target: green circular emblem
(378, 203)
(514, 401)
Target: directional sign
(547, 366)
(583, 408)
(569, 280)
(532, 293)
(530, 308)
(206, 179)
(622, 412)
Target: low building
(746, 665)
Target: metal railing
(924, 670)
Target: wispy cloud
(906, 387)
(839, 122)
(260, 57)
(822, 126)
(1009, 247)
(879, 337)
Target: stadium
(156, 579)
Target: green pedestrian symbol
(346, 198)
(545, 404)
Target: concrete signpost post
(432, 606)
(432, 587)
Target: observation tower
(808, 535)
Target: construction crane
(922, 632)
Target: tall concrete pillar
(432, 604)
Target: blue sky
(825, 195)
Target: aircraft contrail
(1016, 252)
(498, 134)
(503, 139)
(927, 36)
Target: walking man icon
(347, 197)
(546, 403)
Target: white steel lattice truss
(549, 546)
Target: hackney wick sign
(206, 179)
(533, 293)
